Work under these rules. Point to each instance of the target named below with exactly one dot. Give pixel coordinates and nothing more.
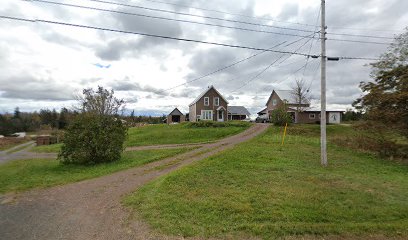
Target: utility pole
(323, 150)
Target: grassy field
(39, 173)
(179, 133)
(168, 134)
(9, 142)
(53, 148)
(264, 190)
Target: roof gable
(175, 112)
(238, 110)
(285, 95)
(205, 92)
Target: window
(206, 101)
(312, 116)
(216, 101)
(274, 102)
(206, 114)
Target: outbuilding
(175, 117)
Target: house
(209, 105)
(238, 113)
(175, 117)
(300, 112)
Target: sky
(47, 65)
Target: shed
(46, 140)
(175, 116)
(238, 113)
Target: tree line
(52, 119)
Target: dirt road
(91, 209)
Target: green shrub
(213, 124)
(92, 139)
(280, 116)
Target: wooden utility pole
(323, 150)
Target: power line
(200, 16)
(220, 69)
(218, 25)
(172, 38)
(231, 65)
(148, 35)
(268, 19)
(359, 35)
(270, 65)
(358, 41)
(311, 45)
(367, 29)
(163, 18)
(228, 13)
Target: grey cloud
(230, 98)
(289, 11)
(29, 87)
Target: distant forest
(46, 119)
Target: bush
(92, 139)
(213, 124)
(280, 116)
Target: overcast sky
(46, 66)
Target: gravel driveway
(91, 209)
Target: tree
(300, 95)
(95, 135)
(17, 113)
(101, 102)
(92, 139)
(62, 120)
(280, 116)
(386, 97)
(351, 115)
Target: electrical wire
(146, 34)
(228, 13)
(231, 65)
(196, 15)
(163, 18)
(267, 67)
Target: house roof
(238, 110)
(203, 93)
(176, 112)
(317, 109)
(285, 95)
(262, 111)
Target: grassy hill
(172, 134)
(262, 189)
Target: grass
(180, 133)
(169, 134)
(260, 189)
(22, 175)
(9, 142)
(53, 148)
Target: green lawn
(9, 142)
(39, 173)
(179, 133)
(53, 148)
(168, 134)
(264, 190)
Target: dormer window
(206, 101)
(274, 102)
(216, 101)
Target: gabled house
(300, 112)
(209, 105)
(175, 116)
(238, 113)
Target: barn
(175, 116)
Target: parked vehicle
(262, 119)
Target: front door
(220, 116)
